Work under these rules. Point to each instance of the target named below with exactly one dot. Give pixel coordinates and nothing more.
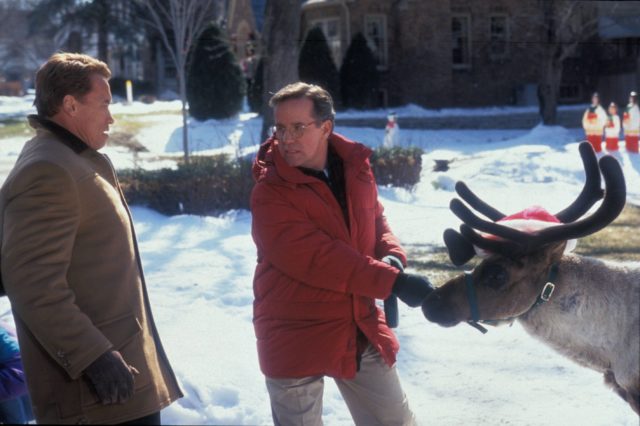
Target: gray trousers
(374, 396)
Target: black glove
(112, 378)
(412, 289)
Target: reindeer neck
(572, 321)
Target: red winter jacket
(316, 280)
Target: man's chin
(99, 143)
(293, 161)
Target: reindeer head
(515, 276)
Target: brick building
(243, 23)
(443, 53)
(618, 61)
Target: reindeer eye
(494, 276)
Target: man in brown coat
(70, 263)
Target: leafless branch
(180, 21)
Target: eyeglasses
(294, 132)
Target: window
(331, 29)
(375, 27)
(498, 36)
(461, 44)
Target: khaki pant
(374, 396)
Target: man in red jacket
(325, 253)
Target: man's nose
(286, 138)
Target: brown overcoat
(71, 268)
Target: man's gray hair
(322, 100)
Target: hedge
(205, 186)
(210, 185)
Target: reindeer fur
(594, 319)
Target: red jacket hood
(271, 167)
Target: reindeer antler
(474, 201)
(591, 192)
(515, 243)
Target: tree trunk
(281, 35)
(182, 83)
(103, 30)
(549, 91)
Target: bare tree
(179, 24)
(563, 26)
(21, 52)
(282, 45)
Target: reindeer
(586, 309)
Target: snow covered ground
(199, 271)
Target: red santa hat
(529, 220)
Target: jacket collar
(62, 135)
(270, 166)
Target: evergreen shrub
(359, 77)
(316, 66)
(215, 83)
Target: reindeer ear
(548, 254)
(556, 251)
(460, 250)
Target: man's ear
(69, 105)
(327, 127)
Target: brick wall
(420, 61)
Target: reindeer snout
(436, 309)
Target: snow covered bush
(397, 166)
(205, 186)
(215, 83)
